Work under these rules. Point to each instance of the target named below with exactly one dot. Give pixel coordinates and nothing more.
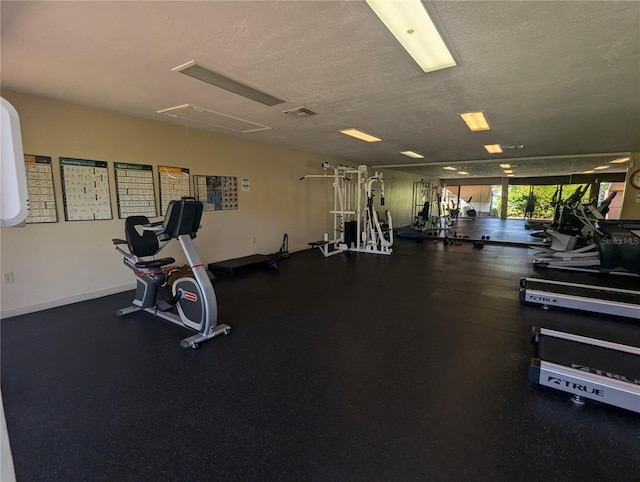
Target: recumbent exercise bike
(193, 296)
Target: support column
(631, 197)
(505, 196)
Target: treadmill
(587, 368)
(576, 296)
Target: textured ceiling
(561, 78)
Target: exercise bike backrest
(143, 243)
(182, 217)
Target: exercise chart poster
(85, 189)
(174, 184)
(216, 193)
(134, 190)
(42, 198)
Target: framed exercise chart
(85, 189)
(42, 198)
(216, 192)
(134, 190)
(174, 184)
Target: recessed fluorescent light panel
(505, 166)
(449, 168)
(363, 136)
(493, 148)
(197, 71)
(601, 167)
(412, 26)
(620, 160)
(199, 117)
(412, 154)
(588, 172)
(508, 171)
(464, 173)
(476, 121)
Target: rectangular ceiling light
(463, 173)
(476, 121)
(505, 166)
(449, 168)
(412, 26)
(360, 135)
(508, 171)
(412, 154)
(197, 71)
(620, 160)
(493, 149)
(601, 167)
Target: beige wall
(59, 263)
(631, 203)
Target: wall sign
(42, 197)
(174, 184)
(85, 189)
(134, 190)
(217, 193)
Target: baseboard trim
(23, 310)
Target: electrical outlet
(8, 277)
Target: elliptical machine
(471, 211)
(193, 296)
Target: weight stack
(350, 233)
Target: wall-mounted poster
(134, 190)
(216, 192)
(42, 197)
(174, 184)
(85, 189)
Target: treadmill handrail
(580, 285)
(590, 341)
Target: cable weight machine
(356, 224)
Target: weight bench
(322, 245)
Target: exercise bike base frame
(189, 342)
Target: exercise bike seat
(154, 263)
(142, 244)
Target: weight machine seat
(315, 244)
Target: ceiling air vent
(299, 112)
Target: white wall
(59, 263)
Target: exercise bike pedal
(164, 305)
(167, 305)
